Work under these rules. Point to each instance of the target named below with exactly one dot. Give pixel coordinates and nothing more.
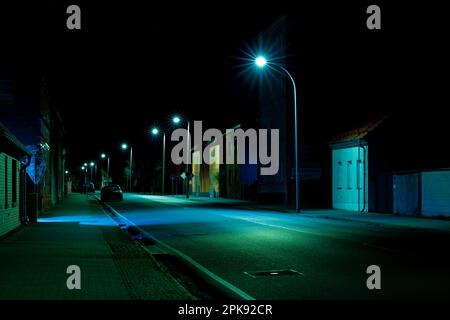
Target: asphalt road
(331, 256)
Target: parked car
(78, 188)
(111, 192)
(83, 188)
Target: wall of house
(214, 171)
(200, 185)
(248, 174)
(196, 178)
(385, 149)
(436, 193)
(32, 119)
(9, 210)
(349, 179)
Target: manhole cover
(274, 273)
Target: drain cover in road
(274, 273)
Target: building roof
(6, 134)
(360, 132)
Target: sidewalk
(384, 219)
(34, 259)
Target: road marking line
(313, 233)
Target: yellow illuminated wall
(196, 171)
(214, 167)
(200, 181)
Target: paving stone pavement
(34, 259)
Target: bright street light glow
(176, 119)
(85, 164)
(92, 164)
(155, 131)
(124, 146)
(103, 156)
(67, 172)
(260, 61)
(82, 168)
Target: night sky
(132, 66)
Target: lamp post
(92, 164)
(261, 62)
(103, 156)
(155, 131)
(84, 169)
(177, 120)
(125, 147)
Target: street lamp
(124, 146)
(177, 120)
(155, 132)
(261, 62)
(84, 169)
(103, 156)
(92, 164)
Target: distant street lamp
(177, 120)
(84, 169)
(155, 132)
(261, 62)
(124, 146)
(103, 156)
(92, 164)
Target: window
(6, 182)
(349, 174)
(14, 182)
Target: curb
(212, 279)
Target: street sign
(184, 175)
